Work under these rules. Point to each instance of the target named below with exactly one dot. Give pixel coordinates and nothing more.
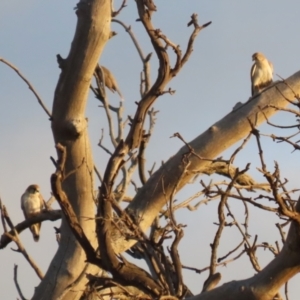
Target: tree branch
(49, 215)
(39, 99)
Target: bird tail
(35, 229)
(36, 237)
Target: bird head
(33, 188)
(258, 56)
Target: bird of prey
(32, 204)
(109, 80)
(261, 73)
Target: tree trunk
(69, 127)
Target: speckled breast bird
(261, 73)
(109, 80)
(32, 203)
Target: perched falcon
(109, 80)
(261, 73)
(32, 203)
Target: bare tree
(89, 261)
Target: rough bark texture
(69, 127)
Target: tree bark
(69, 127)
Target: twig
(29, 86)
(193, 36)
(17, 284)
(15, 237)
(231, 251)
(132, 36)
(278, 126)
(145, 80)
(225, 263)
(293, 111)
(123, 5)
(22, 250)
(121, 271)
(100, 143)
(2, 218)
(142, 159)
(144, 142)
(285, 82)
(178, 135)
(221, 226)
(98, 174)
(286, 290)
(273, 181)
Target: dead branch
(15, 237)
(221, 226)
(121, 189)
(133, 139)
(272, 179)
(50, 215)
(22, 250)
(100, 143)
(122, 270)
(17, 284)
(145, 60)
(142, 159)
(39, 99)
(98, 174)
(2, 217)
(143, 145)
(222, 264)
(123, 5)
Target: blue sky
(215, 78)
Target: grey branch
(29, 86)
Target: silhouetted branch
(17, 284)
(50, 215)
(29, 86)
(15, 237)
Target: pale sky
(215, 78)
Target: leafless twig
(29, 86)
(17, 284)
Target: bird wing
(22, 202)
(42, 202)
(23, 198)
(252, 72)
(271, 66)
